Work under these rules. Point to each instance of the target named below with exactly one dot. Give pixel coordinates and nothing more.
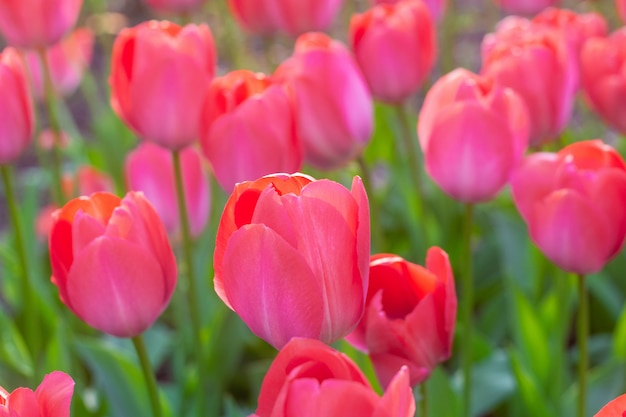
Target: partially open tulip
(175, 6)
(52, 398)
(525, 7)
(603, 76)
(334, 109)
(112, 262)
(537, 62)
(614, 408)
(37, 23)
(395, 46)
(293, 17)
(573, 203)
(150, 169)
(291, 257)
(248, 129)
(409, 316)
(68, 60)
(310, 379)
(16, 109)
(160, 73)
(472, 131)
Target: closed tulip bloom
(293, 17)
(538, 64)
(614, 408)
(291, 257)
(112, 262)
(68, 59)
(310, 379)
(395, 46)
(52, 398)
(409, 317)
(603, 76)
(525, 7)
(175, 6)
(248, 129)
(150, 169)
(37, 23)
(334, 109)
(16, 108)
(573, 203)
(160, 73)
(472, 131)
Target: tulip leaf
(13, 351)
(492, 383)
(619, 338)
(443, 400)
(531, 393)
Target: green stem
(583, 334)
(378, 238)
(466, 309)
(53, 121)
(423, 399)
(151, 383)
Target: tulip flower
(248, 129)
(112, 262)
(472, 131)
(573, 203)
(52, 398)
(409, 316)
(310, 379)
(525, 7)
(538, 64)
(291, 257)
(334, 109)
(614, 408)
(68, 61)
(37, 24)
(603, 76)
(293, 17)
(159, 77)
(395, 47)
(149, 169)
(175, 6)
(16, 109)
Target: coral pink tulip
(537, 62)
(409, 316)
(525, 7)
(395, 46)
(159, 77)
(291, 257)
(150, 169)
(293, 17)
(310, 379)
(603, 76)
(175, 6)
(16, 108)
(37, 23)
(334, 109)
(573, 202)
(472, 131)
(112, 262)
(248, 129)
(614, 408)
(68, 60)
(52, 398)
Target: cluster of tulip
(292, 254)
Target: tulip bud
(52, 398)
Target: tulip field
(312, 208)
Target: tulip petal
(615, 408)
(54, 394)
(308, 397)
(23, 403)
(533, 180)
(398, 400)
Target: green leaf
(532, 395)
(492, 383)
(13, 351)
(443, 400)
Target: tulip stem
(466, 311)
(378, 238)
(55, 127)
(423, 399)
(583, 333)
(151, 382)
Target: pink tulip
(435, 7)
(293, 17)
(112, 262)
(68, 61)
(248, 129)
(291, 257)
(573, 202)
(472, 131)
(150, 169)
(603, 76)
(159, 77)
(52, 398)
(614, 408)
(37, 23)
(538, 64)
(409, 316)
(395, 47)
(310, 379)
(175, 6)
(86, 181)
(525, 7)
(16, 109)
(334, 110)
